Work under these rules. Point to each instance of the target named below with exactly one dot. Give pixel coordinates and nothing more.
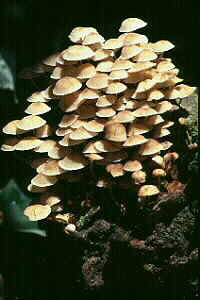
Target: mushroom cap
(129, 39)
(141, 66)
(155, 94)
(11, 128)
(28, 143)
(67, 142)
(131, 24)
(112, 44)
(62, 71)
(57, 152)
(90, 94)
(90, 148)
(99, 81)
(94, 156)
(105, 65)
(37, 108)
(37, 97)
(139, 177)
(160, 77)
(106, 100)
(73, 161)
(130, 51)
(121, 64)
(164, 66)
(106, 146)
(115, 132)
(65, 218)
(135, 140)
(70, 228)
(115, 170)
(115, 88)
(137, 128)
(51, 168)
(93, 38)
(37, 212)
(68, 120)
(36, 189)
(94, 125)
(158, 160)
(77, 52)
(78, 34)
(30, 122)
(162, 46)
(41, 180)
(144, 111)
(102, 54)
(145, 55)
(45, 146)
(153, 120)
(163, 107)
(10, 144)
(132, 165)
(150, 147)
(145, 85)
(86, 71)
(171, 156)
(125, 116)
(148, 190)
(166, 145)
(159, 173)
(118, 74)
(105, 112)
(49, 198)
(66, 85)
(81, 133)
(179, 91)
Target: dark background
(33, 29)
(34, 267)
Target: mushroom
(109, 105)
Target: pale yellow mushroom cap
(150, 147)
(148, 190)
(37, 108)
(41, 180)
(37, 212)
(132, 165)
(73, 161)
(131, 24)
(115, 170)
(115, 132)
(66, 85)
(78, 34)
(99, 81)
(28, 143)
(135, 140)
(77, 52)
(162, 46)
(30, 122)
(139, 177)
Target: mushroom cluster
(111, 99)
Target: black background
(30, 30)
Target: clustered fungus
(113, 98)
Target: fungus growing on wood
(113, 97)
